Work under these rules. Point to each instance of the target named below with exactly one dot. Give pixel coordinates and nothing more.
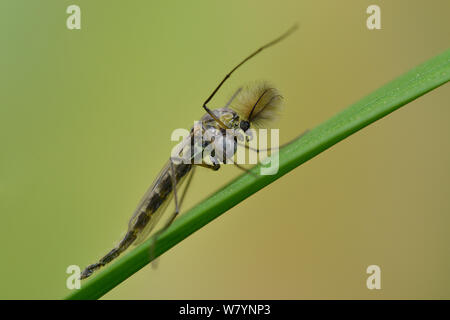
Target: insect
(249, 106)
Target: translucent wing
(151, 196)
(142, 208)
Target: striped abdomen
(146, 214)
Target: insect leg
(177, 209)
(269, 149)
(230, 161)
(245, 169)
(214, 167)
(188, 182)
(233, 97)
(174, 186)
(271, 43)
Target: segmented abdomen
(146, 215)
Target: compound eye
(244, 125)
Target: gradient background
(85, 124)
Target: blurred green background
(85, 123)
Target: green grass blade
(413, 84)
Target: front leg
(214, 166)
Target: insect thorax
(228, 116)
(222, 141)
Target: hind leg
(269, 149)
(174, 214)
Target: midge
(249, 106)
